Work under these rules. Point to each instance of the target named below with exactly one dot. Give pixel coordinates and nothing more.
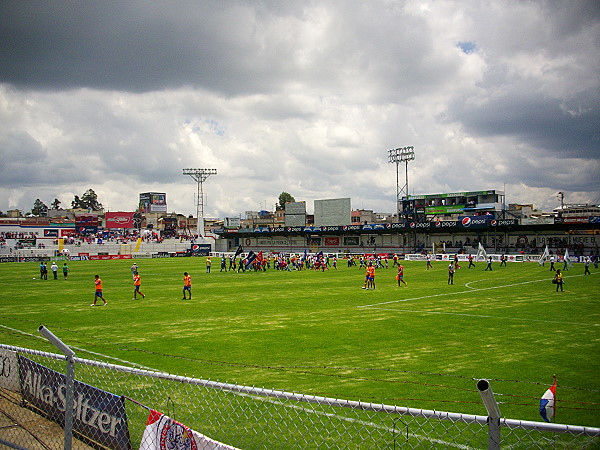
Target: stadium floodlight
(200, 176)
(398, 155)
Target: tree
(39, 208)
(55, 204)
(76, 203)
(89, 200)
(284, 198)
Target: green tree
(55, 204)
(39, 208)
(284, 198)
(89, 200)
(76, 203)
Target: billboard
(333, 212)
(231, 222)
(153, 202)
(98, 415)
(119, 219)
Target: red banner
(119, 219)
(108, 257)
(332, 241)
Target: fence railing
(124, 407)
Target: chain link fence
(123, 408)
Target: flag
(250, 259)
(238, 251)
(260, 256)
(305, 255)
(567, 259)
(481, 252)
(547, 403)
(164, 433)
(544, 256)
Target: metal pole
(69, 382)
(487, 396)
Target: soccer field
(422, 346)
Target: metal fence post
(69, 382)
(487, 396)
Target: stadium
(281, 307)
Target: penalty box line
(471, 290)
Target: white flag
(481, 252)
(567, 259)
(544, 256)
(164, 433)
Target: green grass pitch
(422, 346)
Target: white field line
(481, 316)
(82, 349)
(471, 290)
(275, 402)
(349, 419)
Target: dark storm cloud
(563, 128)
(132, 46)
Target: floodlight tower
(398, 155)
(200, 176)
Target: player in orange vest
(137, 281)
(98, 294)
(187, 285)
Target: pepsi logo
(466, 221)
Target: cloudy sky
(298, 96)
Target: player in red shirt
(400, 276)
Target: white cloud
(304, 98)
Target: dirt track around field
(23, 427)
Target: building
(453, 205)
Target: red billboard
(119, 219)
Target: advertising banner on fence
(9, 371)
(164, 433)
(119, 219)
(200, 249)
(98, 415)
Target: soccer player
(65, 270)
(208, 264)
(137, 281)
(429, 266)
(187, 285)
(586, 265)
(369, 277)
(54, 269)
(470, 261)
(98, 294)
(456, 265)
(489, 264)
(400, 276)
(503, 260)
(552, 263)
(451, 270)
(134, 270)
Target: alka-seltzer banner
(164, 433)
(97, 414)
(9, 371)
(119, 219)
